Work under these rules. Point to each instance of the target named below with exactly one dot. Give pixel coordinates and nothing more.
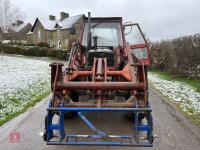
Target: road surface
(173, 130)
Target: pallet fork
(73, 139)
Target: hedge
(34, 51)
(179, 57)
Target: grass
(30, 104)
(163, 75)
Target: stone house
(57, 34)
(20, 30)
(17, 32)
(43, 31)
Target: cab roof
(117, 19)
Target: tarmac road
(173, 130)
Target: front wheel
(131, 116)
(150, 132)
(70, 114)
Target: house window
(50, 43)
(39, 34)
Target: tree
(9, 14)
(180, 56)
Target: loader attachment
(99, 137)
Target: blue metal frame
(97, 133)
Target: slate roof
(48, 24)
(69, 22)
(51, 24)
(18, 28)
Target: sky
(159, 19)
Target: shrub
(29, 44)
(60, 54)
(42, 44)
(34, 51)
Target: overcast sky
(159, 19)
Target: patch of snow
(48, 24)
(6, 41)
(29, 33)
(65, 24)
(179, 92)
(18, 28)
(19, 72)
(69, 22)
(22, 80)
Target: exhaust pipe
(89, 32)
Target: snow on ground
(22, 80)
(181, 93)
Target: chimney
(51, 17)
(19, 22)
(63, 15)
(14, 24)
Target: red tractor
(110, 60)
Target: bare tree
(180, 56)
(5, 14)
(9, 14)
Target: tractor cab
(101, 37)
(107, 37)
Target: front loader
(110, 60)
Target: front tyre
(75, 98)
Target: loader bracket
(99, 137)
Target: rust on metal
(99, 86)
(127, 74)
